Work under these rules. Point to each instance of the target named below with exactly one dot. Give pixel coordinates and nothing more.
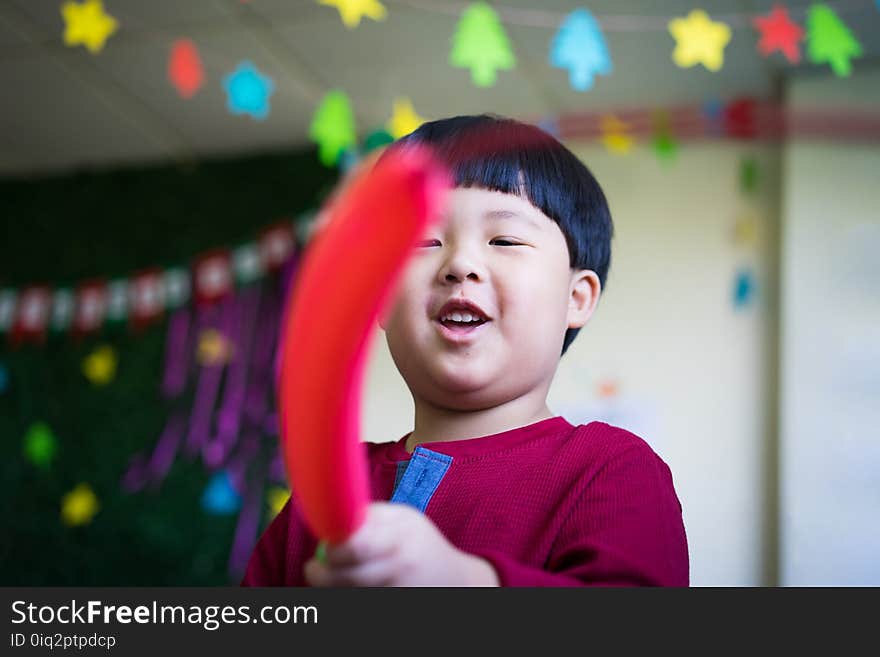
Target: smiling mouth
(455, 331)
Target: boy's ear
(585, 291)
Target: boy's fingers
(372, 573)
(367, 544)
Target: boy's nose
(460, 266)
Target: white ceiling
(64, 107)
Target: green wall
(63, 229)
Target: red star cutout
(778, 32)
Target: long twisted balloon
(348, 275)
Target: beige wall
(830, 366)
(689, 368)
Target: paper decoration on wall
(246, 263)
(146, 297)
(275, 245)
(177, 287)
(33, 314)
(352, 11)
(664, 143)
(86, 24)
(117, 300)
(607, 388)
(743, 288)
(615, 135)
(214, 348)
(699, 40)
(403, 119)
(185, 68)
(333, 127)
(248, 91)
(220, 498)
(8, 302)
(830, 41)
(745, 229)
(4, 378)
(579, 46)
(91, 305)
(40, 445)
(79, 506)
(748, 175)
(740, 118)
(276, 498)
(480, 44)
(63, 305)
(99, 367)
(779, 32)
(212, 277)
(713, 111)
(377, 139)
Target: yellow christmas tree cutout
(352, 11)
(79, 506)
(615, 135)
(699, 40)
(403, 119)
(86, 24)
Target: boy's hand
(398, 546)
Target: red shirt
(547, 504)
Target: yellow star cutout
(615, 135)
(79, 506)
(87, 24)
(352, 11)
(403, 119)
(99, 367)
(277, 497)
(699, 40)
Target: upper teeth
(460, 317)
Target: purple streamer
(246, 529)
(176, 361)
(232, 413)
(229, 415)
(208, 387)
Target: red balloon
(348, 274)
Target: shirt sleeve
(281, 552)
(625, 528)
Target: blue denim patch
(420, 478)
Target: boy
(491, 487)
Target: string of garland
(480, 45)
(30, 314)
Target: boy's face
(503, 254)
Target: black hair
(501, 154)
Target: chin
(460, 380)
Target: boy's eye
(425, 243)
(504, 242)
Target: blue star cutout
(248, 91)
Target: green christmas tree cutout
(480, 44)
(830, 40)
(333, 127)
